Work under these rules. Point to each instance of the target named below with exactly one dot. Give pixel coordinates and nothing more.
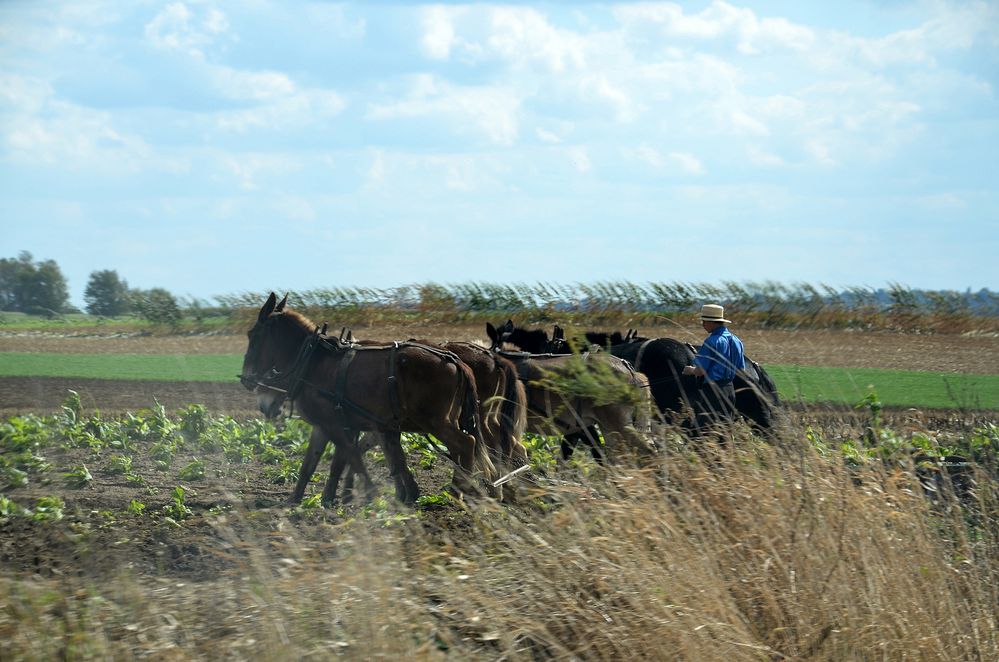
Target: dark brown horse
(502, 404)
(343, 388)
(550, 411)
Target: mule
(502, 406)
(549, 411)
(342, 388)
(536, 341)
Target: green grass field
(899, 388)
(162, 367)
(796, 383)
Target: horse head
(274, 341)
(500, 335)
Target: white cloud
(650, 155)
(490, 111)
(250, 169)
(39, 128)
(251, 85)
(438, 30)
(718, 21)
(688, 163)
(744, 123)
(297, 208)
(761, 157)
(521, 36)
(547, 136)
(179, 28)
(601, 88)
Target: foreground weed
(194, 422)
(177, 510)
(119, 465)
(195, 470)
(78, 477)
(8, 508)
(48, 509)
(136, 508)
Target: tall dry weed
(738, 551)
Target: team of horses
(477, 401)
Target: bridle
(288, 382)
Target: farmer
(715, 365)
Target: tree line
(39, 288)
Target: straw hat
(712, 312)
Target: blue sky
(223, 147)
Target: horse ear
(267, 308)
(281, 304)
(508, 327)
(492, 332)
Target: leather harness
(293, 380)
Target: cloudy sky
(223, 147)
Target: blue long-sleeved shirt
(721, 355)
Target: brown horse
(502, 404)
(550, 411)
(341, 389)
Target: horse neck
(292, 333)
(535, 342)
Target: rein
(289, 383)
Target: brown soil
(98, 537)
(978, 354)
(239, 514)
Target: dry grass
(744, 552)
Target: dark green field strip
(159, 367)
(796, 383)
(897, 388)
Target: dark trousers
(715, 403)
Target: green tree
(11, 270)
(32, 287)
(106, 294)
(156, 305)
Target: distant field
(160, 367)
(898, 388)
(795, 383)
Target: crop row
(111, 445)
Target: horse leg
(406, 489)
(617, 427)
(337, 465)
(317, 444)
(357, 468)
(591, 437)
(461, 447)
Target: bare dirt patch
(845, 349)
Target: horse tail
(513, 413)
(470, 421)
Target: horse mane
(300, 320)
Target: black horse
(662, 360)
